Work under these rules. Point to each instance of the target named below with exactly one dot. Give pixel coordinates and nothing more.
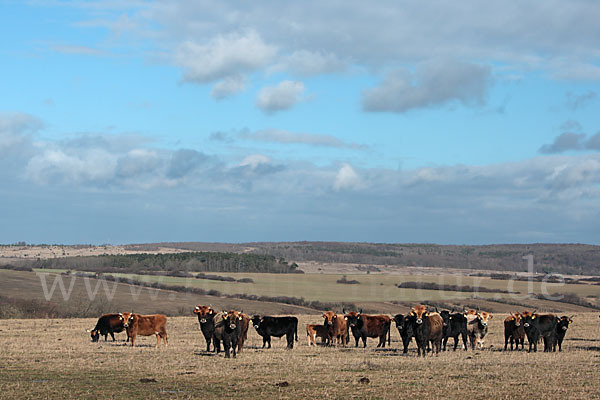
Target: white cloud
(224, 56)
(308, 63)
(228, 87)
(346, 178)
(255, 160)
(281, 97)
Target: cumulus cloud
(281, 97)
(594, 142)
(346, 178)
(183, 162)
(228, 87)
(222, 57)
(432, 84)
(287, 137)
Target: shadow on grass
(205, 353)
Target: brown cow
(337, 328)
(428, 327)
(477, 327)
(514, 331)
(145, 325)
(373, 326)
(316, 330)
(244, 332)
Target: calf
(427, 327)
(404, 329)
(514, 331)
(107, 324)
(206, 317)
(276, 326)
(364, 326)
(316, 330)
(145, 325)
(337, 328)
(228, 328)
(477, 327)
(540, 326)
(455, 325)
(562, 324)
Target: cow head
(484, 318)
(563, 322)
(256, 321)
(95, 334)
(232, 318)
(204, 313)
(529, 318)
(445, 317)
(329, 318)
(419, 313)
(352, 318)
(127, 319)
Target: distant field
(27, 285)
(372, 288)
(29, 367)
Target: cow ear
(426, 313)
(240, 317)
(210, 311)
(346, 318)
(533, 316)
(490, 316)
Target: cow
(455, 325)
(316, 330)
(107, 324)
(276, 326)
(514, 331)
(145, 325)
(337, 328)
(540, 326)
(373, 326)
(206, 317)
(427, 328)
(562, 324)
(477, 327)
(228, 328)
(404, 329)
(243, 332)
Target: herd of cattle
(430, 329)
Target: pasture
(55, 359)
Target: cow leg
(264, 341)
(227, 346)
(133, 340)
(364, 340)
(290, 339)
(357, 338)
(444, 341)
(269, 341)
(208, 340)
(217, 344)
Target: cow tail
(390, 334)
(296, 330)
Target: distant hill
(578, 259)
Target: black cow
(107, 324)
(404, 329)
(228, 328)
(276, 326)
(540, 326)
(455, 325)
(562, 324)
(206, 316)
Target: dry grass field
(55, 359)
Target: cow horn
(534, 312)
(88, 330)
(360, 311)
(344, 310)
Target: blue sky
(148, 121)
